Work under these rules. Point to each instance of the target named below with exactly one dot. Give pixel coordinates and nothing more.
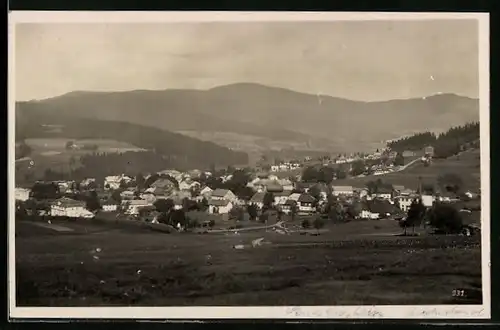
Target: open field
(52, 153)
(59, 145)
(354, 263)
(467, 166)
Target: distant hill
(182, 151)
(273, 114)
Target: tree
(310, 174)
(325, 174)
(150, 180)
(42, 190)
(93, 204)
(315, 192)
(450, 182)
(268, 201)
(306, 224)
(178, 217)
(358, 167)
(140, 181)
(164, 205)
(445, 218)
(318, 224)
(341, 173)
(252, 211)
(399, 160)
(264, 217)
(116, 195)
(237, 213)
(203, 205)
(123, 184)
(414, 217)
(293, 210)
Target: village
(203, 199)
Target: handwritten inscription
(372, 312)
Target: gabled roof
(285, 193)
(258, 197)
(162, 183)
(295, 196)
(274, 186)
(306, 198)
(220, 192)
(68, 202)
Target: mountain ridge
(272, 113)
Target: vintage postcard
(200, 165)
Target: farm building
(113, 182)
(206, 192)
(306, 203)
(342, 190)
(280, 198)
(67, 207)
(224, 194)
(22, 194)
(286, 184)
(162, 186)
(110, 206)
(188, 185)
(287, 207)
(273, 186)
(404, 201)
(258, 199)
(219, 206)
(383, 193)
(132, 207)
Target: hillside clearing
(467, 165)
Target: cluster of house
(286, 166)
(286, 195)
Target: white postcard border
(287, 312)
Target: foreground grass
(154, 269)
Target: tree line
(446, 144)
(185, 151)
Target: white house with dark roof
(306, 203)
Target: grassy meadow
(116, 264)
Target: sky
(358, 60)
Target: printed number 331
(458, 293)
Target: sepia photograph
(248, 165)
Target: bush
(446, 219)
